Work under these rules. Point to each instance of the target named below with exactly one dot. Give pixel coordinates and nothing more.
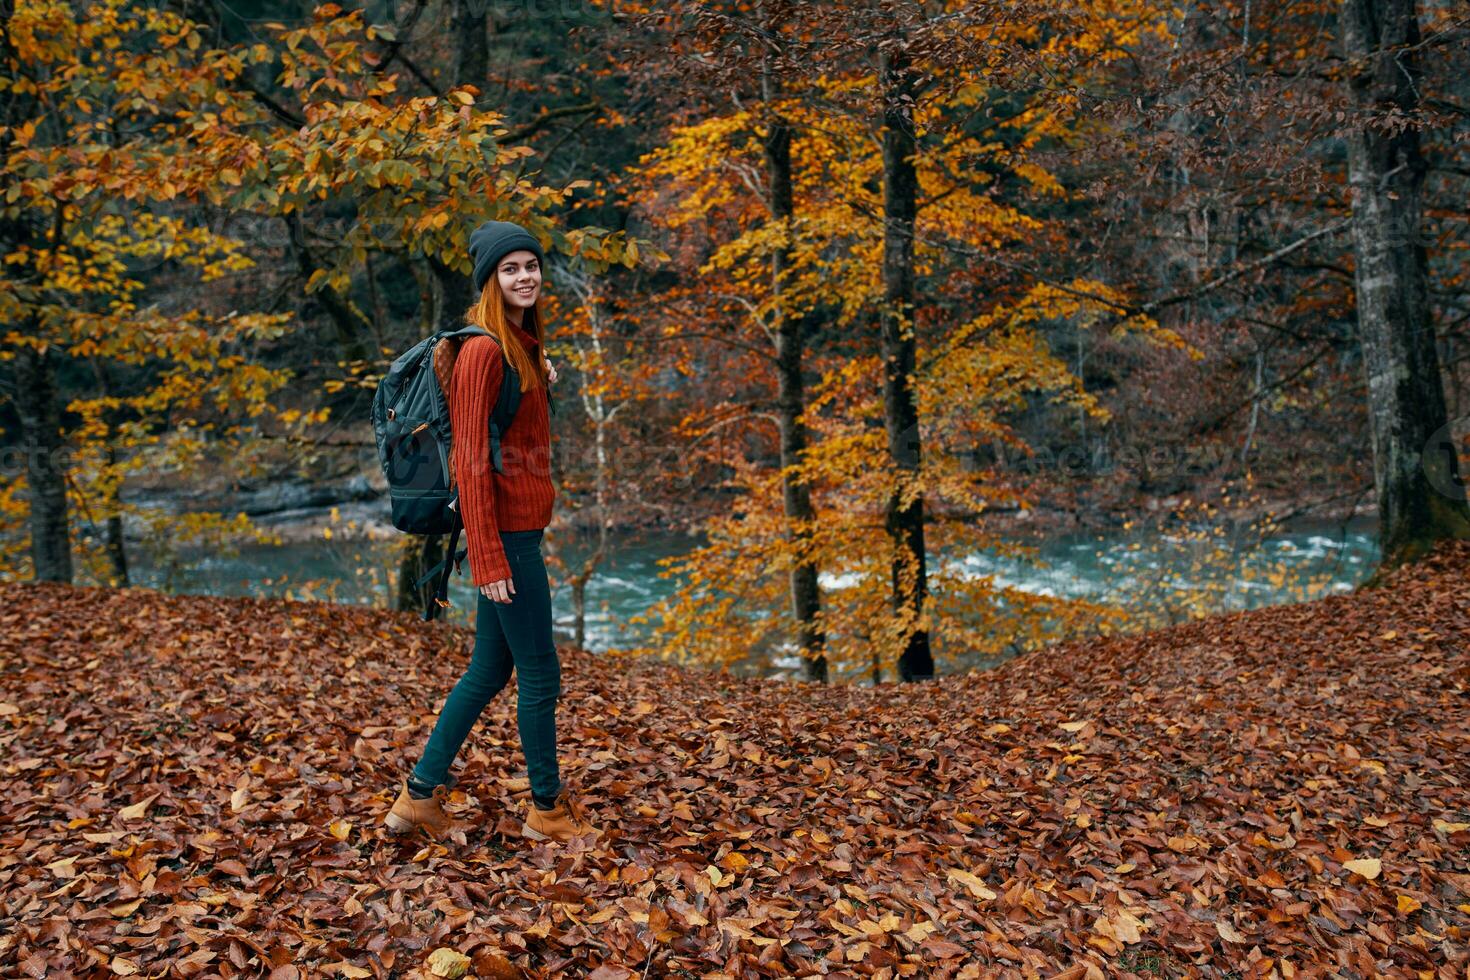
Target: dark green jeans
(508, 636)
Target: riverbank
(346, 497)
(299, 511)
(1275, 790)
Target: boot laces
(574, 806)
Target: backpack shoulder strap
(467, 331)
(507, 400)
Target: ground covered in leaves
(191, 786)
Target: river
(1123, 566)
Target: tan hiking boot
(409, 813)
(561, 824)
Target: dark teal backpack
(410, 417)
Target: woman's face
(519, 273)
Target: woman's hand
(500, 591)
(550, 371)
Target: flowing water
(1146, 569)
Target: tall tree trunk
(455, 295)
(117, 554)
(451, 294)
(429, 304)
(1420, 497)
(450, 291)
(40, 420)
(34, 374)
(352, 327)
(806, 601)
(472, 48)
(471, 63)
(904, 522)
(417, 555)
(589, 566)
(579, 582)
(600, 417)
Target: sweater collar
(527, 338)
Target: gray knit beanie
(490, 242)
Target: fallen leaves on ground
(192, 786)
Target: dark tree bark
(806, 600)
(579, 581)
(472, 48)
(599, 420)
(34, 376)
(455, 295)
(353, 329)
(46, 456)
(117, 553)
(1420, 497)
(904, 522)
(452, 292)
(419, 554)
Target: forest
(1009, 465)
(841, 290)
(849, 293)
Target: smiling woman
(505, 512)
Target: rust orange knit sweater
(519, 499)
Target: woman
(504, 515)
